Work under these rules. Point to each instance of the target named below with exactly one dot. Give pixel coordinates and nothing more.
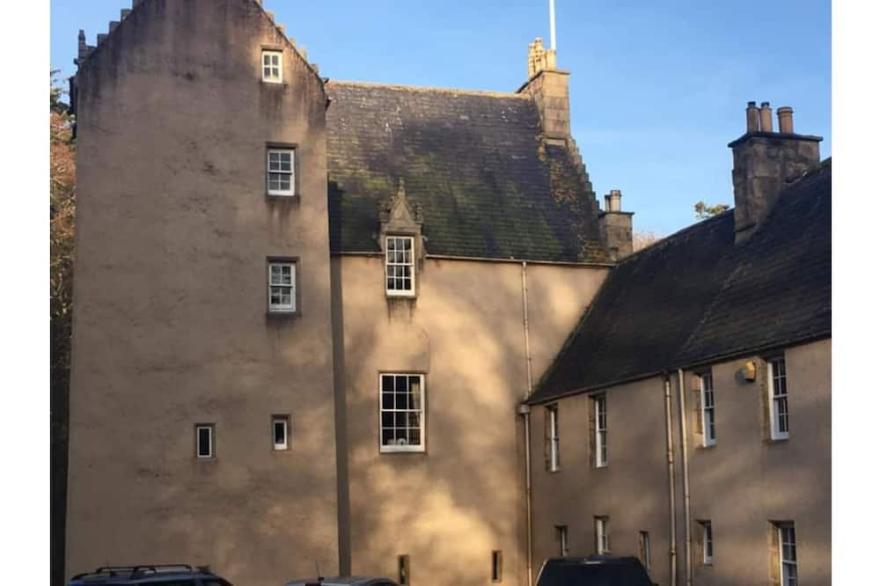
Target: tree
(62, 205)
(643, 239)
(702, 210)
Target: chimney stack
(764, 162)
(548, 86)
(786, 120)
(615, 227)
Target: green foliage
(702, 210)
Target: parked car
(149, 575)
(595, 570)
(344, 581)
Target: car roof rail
(155, 568)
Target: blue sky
(658, 87)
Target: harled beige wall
(633, 490)
(449, 507)
(745, 480)
(170, 324)
(741, 484)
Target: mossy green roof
(487, 184)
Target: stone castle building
(388, 330)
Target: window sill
(401, 449)
(283, 197)
(708, 446)
(283, 315)
(391, 295)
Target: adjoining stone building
(309, 314)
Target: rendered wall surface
(451, 506)
(170, 324)
(741, 484)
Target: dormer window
(272, 61)
(400, 266)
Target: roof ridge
(677, 234)
(427, 89)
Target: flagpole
(553, 24)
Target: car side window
(215, 582)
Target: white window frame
(777, 388)
(603, 545)
(787, 565)
(282, 307)
(421, 411)
(280, 171)
(284, 421)
(600, 414)
(272, 72)
(708, 543)
(209, 427)
(391, 265)
(552, 413)
(562, 537)
(707, 408)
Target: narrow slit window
(282, 287)
(497, 566)
(403, 575)
(552, 415)
(707, 401)
(708, 543)
(402, 412)
(280, 172)
(400, 266)
(272, 62)
(280, 432)
(601, 417)
(787, 554)
(645, 549)
(603, 544)
(562, 538)
(778, 388)
(204, 441)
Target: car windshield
(592, 574)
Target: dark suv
(594, 570)
(149, 575)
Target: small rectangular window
(601, 441)
(280, 172)
(707, 404)
(551, 415)
(272, 66)
(497, 566)
(280, 431)
(403, 575)
(645, 549)
(282, 287)
(204, 441)
(787, 554)
(562, 538)
(402, 412)
(603, 544)
(778, 389)
(708, 545)
(400, 266)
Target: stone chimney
(548, 86)
(615, 227)
(764, 162)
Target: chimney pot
(753, 118)
(612, 201)
(786, 120)
(766, 117)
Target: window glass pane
(204, 436)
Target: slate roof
(487, 185)
(696, 297)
